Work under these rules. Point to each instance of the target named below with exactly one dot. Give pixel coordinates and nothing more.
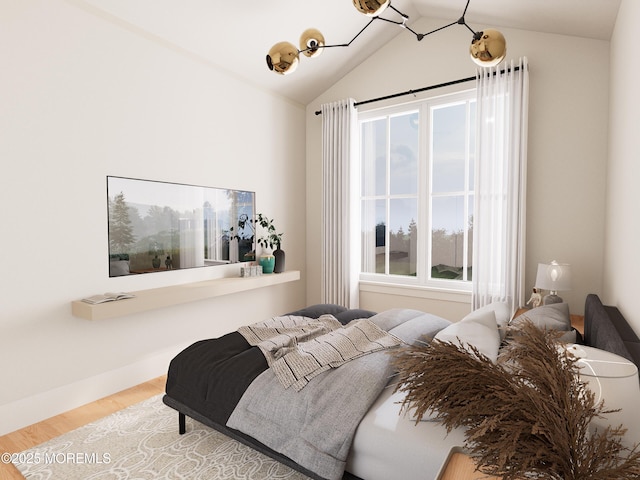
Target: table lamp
(553, 277)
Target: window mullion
(424, 232)
(467, 174)
(387, 214)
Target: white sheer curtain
(500, 189)
(340, 217)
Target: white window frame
(422, 279)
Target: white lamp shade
(554, 276)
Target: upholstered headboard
(607, 329)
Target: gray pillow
(315, 311)
(552, 317)
(393, 317)
(425, 325)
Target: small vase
(267, 262)
(279, 255)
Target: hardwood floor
(460, 466)
(47, 429)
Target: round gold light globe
(489, 49)
(283, 58)
(311, 42)
(371, 8)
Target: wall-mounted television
(159, 226)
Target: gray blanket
(315, 426)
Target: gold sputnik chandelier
(488, 47)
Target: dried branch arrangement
(527, 416)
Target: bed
(346, 422)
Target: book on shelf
(107, 297)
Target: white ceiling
(236, 35)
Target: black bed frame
(604, 328)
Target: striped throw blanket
(299, 348)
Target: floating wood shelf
(176, 294)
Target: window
(417, 174)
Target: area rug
(142, 442)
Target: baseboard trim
(27, 411)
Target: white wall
(622, 258)
(567, 146)
(82, 98)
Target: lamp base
(551, 299)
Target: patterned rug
(142, 442)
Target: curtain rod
(423, 89)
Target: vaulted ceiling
(236, 35)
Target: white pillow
(480, 331)
(502, 312)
